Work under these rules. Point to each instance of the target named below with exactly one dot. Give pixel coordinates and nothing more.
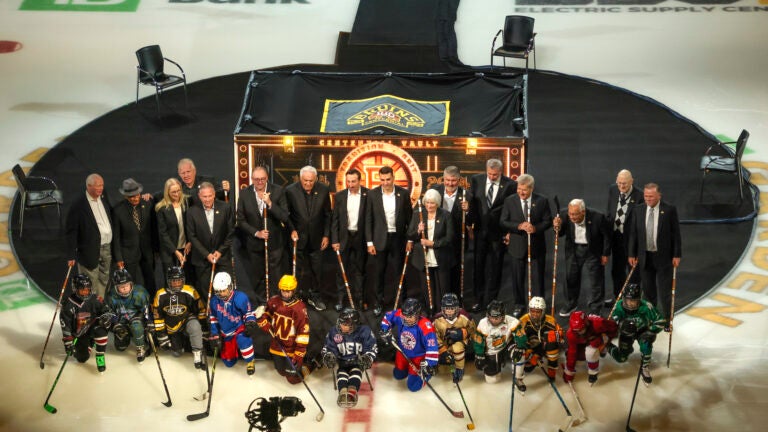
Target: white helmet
(222, 281)
(537, 303)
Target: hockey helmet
(348, 317)
(411, 311)
(449, 305)
(496, 309)
(632, 296)
(81, 285)
(222, 285)
(536, 308)
(287, 283)
(578, 322)
(175, 278)
(123, 282)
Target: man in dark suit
(387, 215)
(453, 197)
(348, 237)
(252, 204)
(191, 182)
(309, 207)
(210, 228)
(487, 194)
(89, 233)
(623, 196)
(526, 215)
(655, 246)
(135, 235)
(587, 247)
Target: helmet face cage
(120, 278)
(411, 310)
(495, 309)
(222, 286)
(349, 318)
(81, 285)
(175, 278)
(632, 296)
(450, 306)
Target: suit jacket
(168, 232)
(191, 192)
(340, 218)
(668, 241)
(203, 240)
(250, 219)
(443, 238)
(485, 219)
(635, 198)
(512, 216)
(598, 233)
(376, 222)
(456, 217)
(83, 237)
(311, 223)
(130, 244)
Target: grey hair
(91, 178)
(493, 164)
(526, 180)
(433, 196)
(578, 202)
(452, 171)
(308, 169)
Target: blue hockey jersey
(416, 340)
(348, 347)
(230, 315)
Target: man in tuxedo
(623, 196)
(89, 233)
(191, 182)
(454, 197)
(134, 241)
(258, 199)
(487, 194)
(526, 217)
(655, 246)
(210, 228)
(587, 247)
(387, 215)
(309, 207)
(348, 237)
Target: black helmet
(81, 285)
(120, 277)
(632, 296)
(411, 307)
(350, 317)
(175, 274)
(450, 301)
(495, 309)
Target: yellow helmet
(287, 283)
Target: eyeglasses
(259, 179)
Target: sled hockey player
(492, 340)
(86, 318)
(537, 337)
(352, 347)
(130, 302)
(638, 320)
(416, 337)
(178, 312)
(232, 320)
(587, 336)
(285, 318)
(454, 328)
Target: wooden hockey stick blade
(568, 425)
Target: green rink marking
(16, 295)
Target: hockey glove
(425, 370)
(446, 358)
(329, 360)
(164, 341)
(121, 331)
(259, 311)
(516, 354)
(68, 340)
(386, 335)
(480, 362)
(366, 361)
(214, 342)
(251, 327)
(106, 319)
(454, 335)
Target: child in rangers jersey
(492, 340)
(353, 347)
(178, 311)
(416, 338)
(85, 320)
(130, 302)
(285, 319)
(230, 316)
(538, 336)
(587, 337)
(638, 321)
(454, 328)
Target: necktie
(649, 237)
(623, 200)
(136, 217)
(525, 210)
(489, 197)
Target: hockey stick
(202, 415)
(321, 414)
(365, 370)
(426, 267)
(634, 394)
(402, 276)
(346, 281)
(48, 407)
(266, 256)
(294, 257)
(621, 293)
(512, 398)
(463, 234)
(157, 358)
(55, 311)
(528, 219)
(551, 382)
(672, 314)
(415, 368)
(471, 424)
(554, 256)
(210, 290)
(583, 417)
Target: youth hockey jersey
(490, 339)
(228, 317)
(348, 347)
(416, 340)
(288, 323)
(126, 308)
(172, 310)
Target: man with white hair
(623, 196)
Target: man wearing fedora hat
(135, 232)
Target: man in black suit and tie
(655, 246)
(89, 233)
(623, 196)
(253, 202)
(348, 237)
(526, 215)
(210, 227)
(135, 235)
(487, 194)
(309, 207)
(453, 198)
(387, 215)
(587, 247)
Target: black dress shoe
(377, 309)
(315, 301)
(477, 307)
